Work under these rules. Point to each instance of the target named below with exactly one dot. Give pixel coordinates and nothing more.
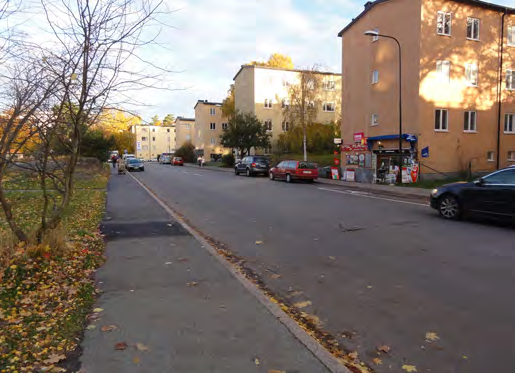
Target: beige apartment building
(458, 87)
(153, 140)
(264, 91)
(184, 128)
(209, 126)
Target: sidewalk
(174, 307)
(390, 190)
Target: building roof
(185, 119)
(206, 102)
(278, 68)
(482, 4)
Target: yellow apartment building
(184, 128)
(153, 140)
(458, 87)
(264, 91)
(209, 126)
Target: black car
(253, 165)
(492, 195)
(134, 164)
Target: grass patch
(432, 184)
(47, 290)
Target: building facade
(458, 87)
(153, 140)
(209, 126)
(264, 91)
(184, 128)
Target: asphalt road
(376, 271)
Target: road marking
(198, 174)
(350, 193)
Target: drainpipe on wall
(499, 91)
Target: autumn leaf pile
(46, 292)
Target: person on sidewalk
(203, 161)
(114, 159)
(199, 161)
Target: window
(510, 79)
(375, 120)
(328, 106)
(187, 126)
(471, 74)
(268, 104)
(153, 139)
(511, 156)
(168, 130)
(268, 125)
(212, 126)
(490, 156)
(443, 71)
(329, 85)
(286, 82)
(472, 28)
(441, 120)
(285, 126)
(153, 147)
(502, 177)
(509, 123)
(311, 104)
(443, 23)
(143, 130)
(153, 130)
(285, 103)
(213, 141)
(225, 126)
(144, 147)
(469, 125)
(212, 111)
(375, 77)
(511, 35)
(375, 37)
(310, 84)
(144, 138)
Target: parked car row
(173, 161)
(289, 170)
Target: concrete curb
(324, 356)
(390, 193)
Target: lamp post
(376, 34)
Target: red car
(177, 161)
(294, 170)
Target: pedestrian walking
(113, 160)
(199, 161)
(203, 161)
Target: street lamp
(376, 34)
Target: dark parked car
(134, 164)
(294, 170)
(253, 165)
(492, 195)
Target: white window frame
(268, 125)
(445, 15)
(470, 121)
(375, 76)
(213, 141)
(510, 36)
(511, 155)
(212, 111)
(285, 103)
(374, 120)
(144, 138)
(440, 65)
(440, 127)
(375, 37)
(470, 69)
(474, 28)
(285, 126)
(509, 121)
(490, 156)
(329, 85)
(225, 126)
(212, 126)
(329, 107)
(510, 79)
(268, 103)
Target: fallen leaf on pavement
(168, 263)
(108, 328)
(183, 259)
(54, 359)
(430, 336)
(259, 242)
(275, 276)
(141, 347)
(294, 294)
(377, 361)
(136, 360)
(465, 357)
(91, 327)
(332, 258)
(302, 304)
(256, 361)
(353, 355)
(96, 310)
(120, 346)
(314, 319)
(276, 371)
(384, 349)
(191, 284)
(369, 287)
(409, 368)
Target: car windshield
(261, 160)
(134, 160)
(178, 159)
(308, 165)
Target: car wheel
(288, 178)
(271, 176)
(248, 173)
(236, 172)
(449, 207)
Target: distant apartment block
(209, 125)
(153, 140)
(184, 128)
(458, 63)
(264, 91)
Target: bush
(228, 159)
(186, 152)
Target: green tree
(187, 152)
(245, 131)
(124, 141)
(168, 120)
(95, 144)
(228, 105)
(155, 121)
